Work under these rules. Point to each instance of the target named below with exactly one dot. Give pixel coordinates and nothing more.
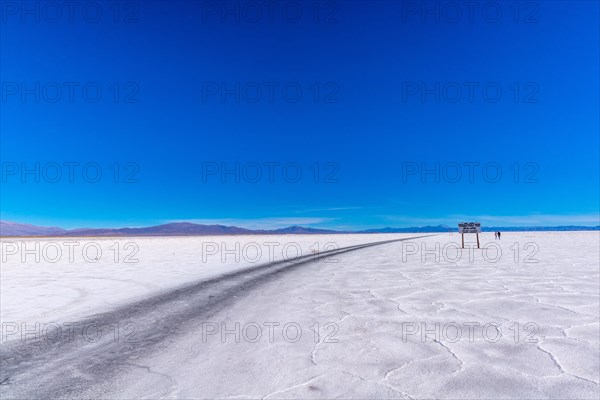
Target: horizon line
(445, 227)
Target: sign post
(469, 227)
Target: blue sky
(359, 98)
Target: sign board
(469, 227)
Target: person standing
(498, 235)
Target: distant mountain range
(8, 228)
(15, 229)
(173, 229)
(445, 228)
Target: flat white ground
(66, 279)
(399, 320)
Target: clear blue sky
(373, 67)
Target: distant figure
(498, 235)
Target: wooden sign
(469, 227)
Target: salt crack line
(150, 371)
(291, 387)
(560, 367)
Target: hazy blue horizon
(274, 225)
